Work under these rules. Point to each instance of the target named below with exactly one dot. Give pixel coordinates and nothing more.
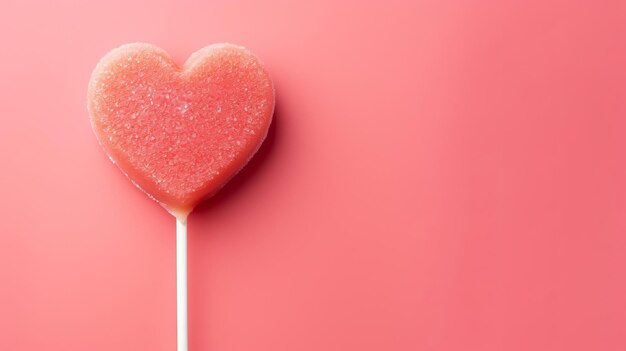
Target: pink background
(442, 175)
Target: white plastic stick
(181, 284)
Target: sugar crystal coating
(180, 133)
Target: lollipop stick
(181, 284)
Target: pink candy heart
(180, 133)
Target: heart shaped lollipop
(180, 133)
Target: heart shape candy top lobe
(180, 133)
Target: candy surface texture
(180, 133)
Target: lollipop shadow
(242, 179)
